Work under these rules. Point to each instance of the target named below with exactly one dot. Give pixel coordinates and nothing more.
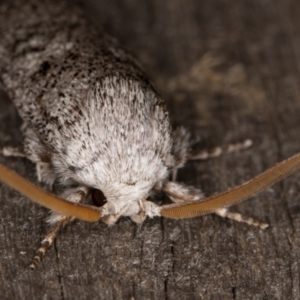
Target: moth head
(116, 196)
(124, 181)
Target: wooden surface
(229, 70)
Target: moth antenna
(80, 211)
(235, 195)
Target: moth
(93, 122)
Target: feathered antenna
(80, 211)
(235, 195)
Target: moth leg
(12, 152)
(141, 216)
(224, 213)
(179, 192)
(182, 149)
(48, 241)
(217, 151)
(58, 222)
(112, 219)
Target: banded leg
(217, 151)
(57, 223)
(48, 241)
(184, 194)
(224, 213)
(182, 144)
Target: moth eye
(98, 197)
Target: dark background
(229, 70)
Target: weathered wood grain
(229, 70)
